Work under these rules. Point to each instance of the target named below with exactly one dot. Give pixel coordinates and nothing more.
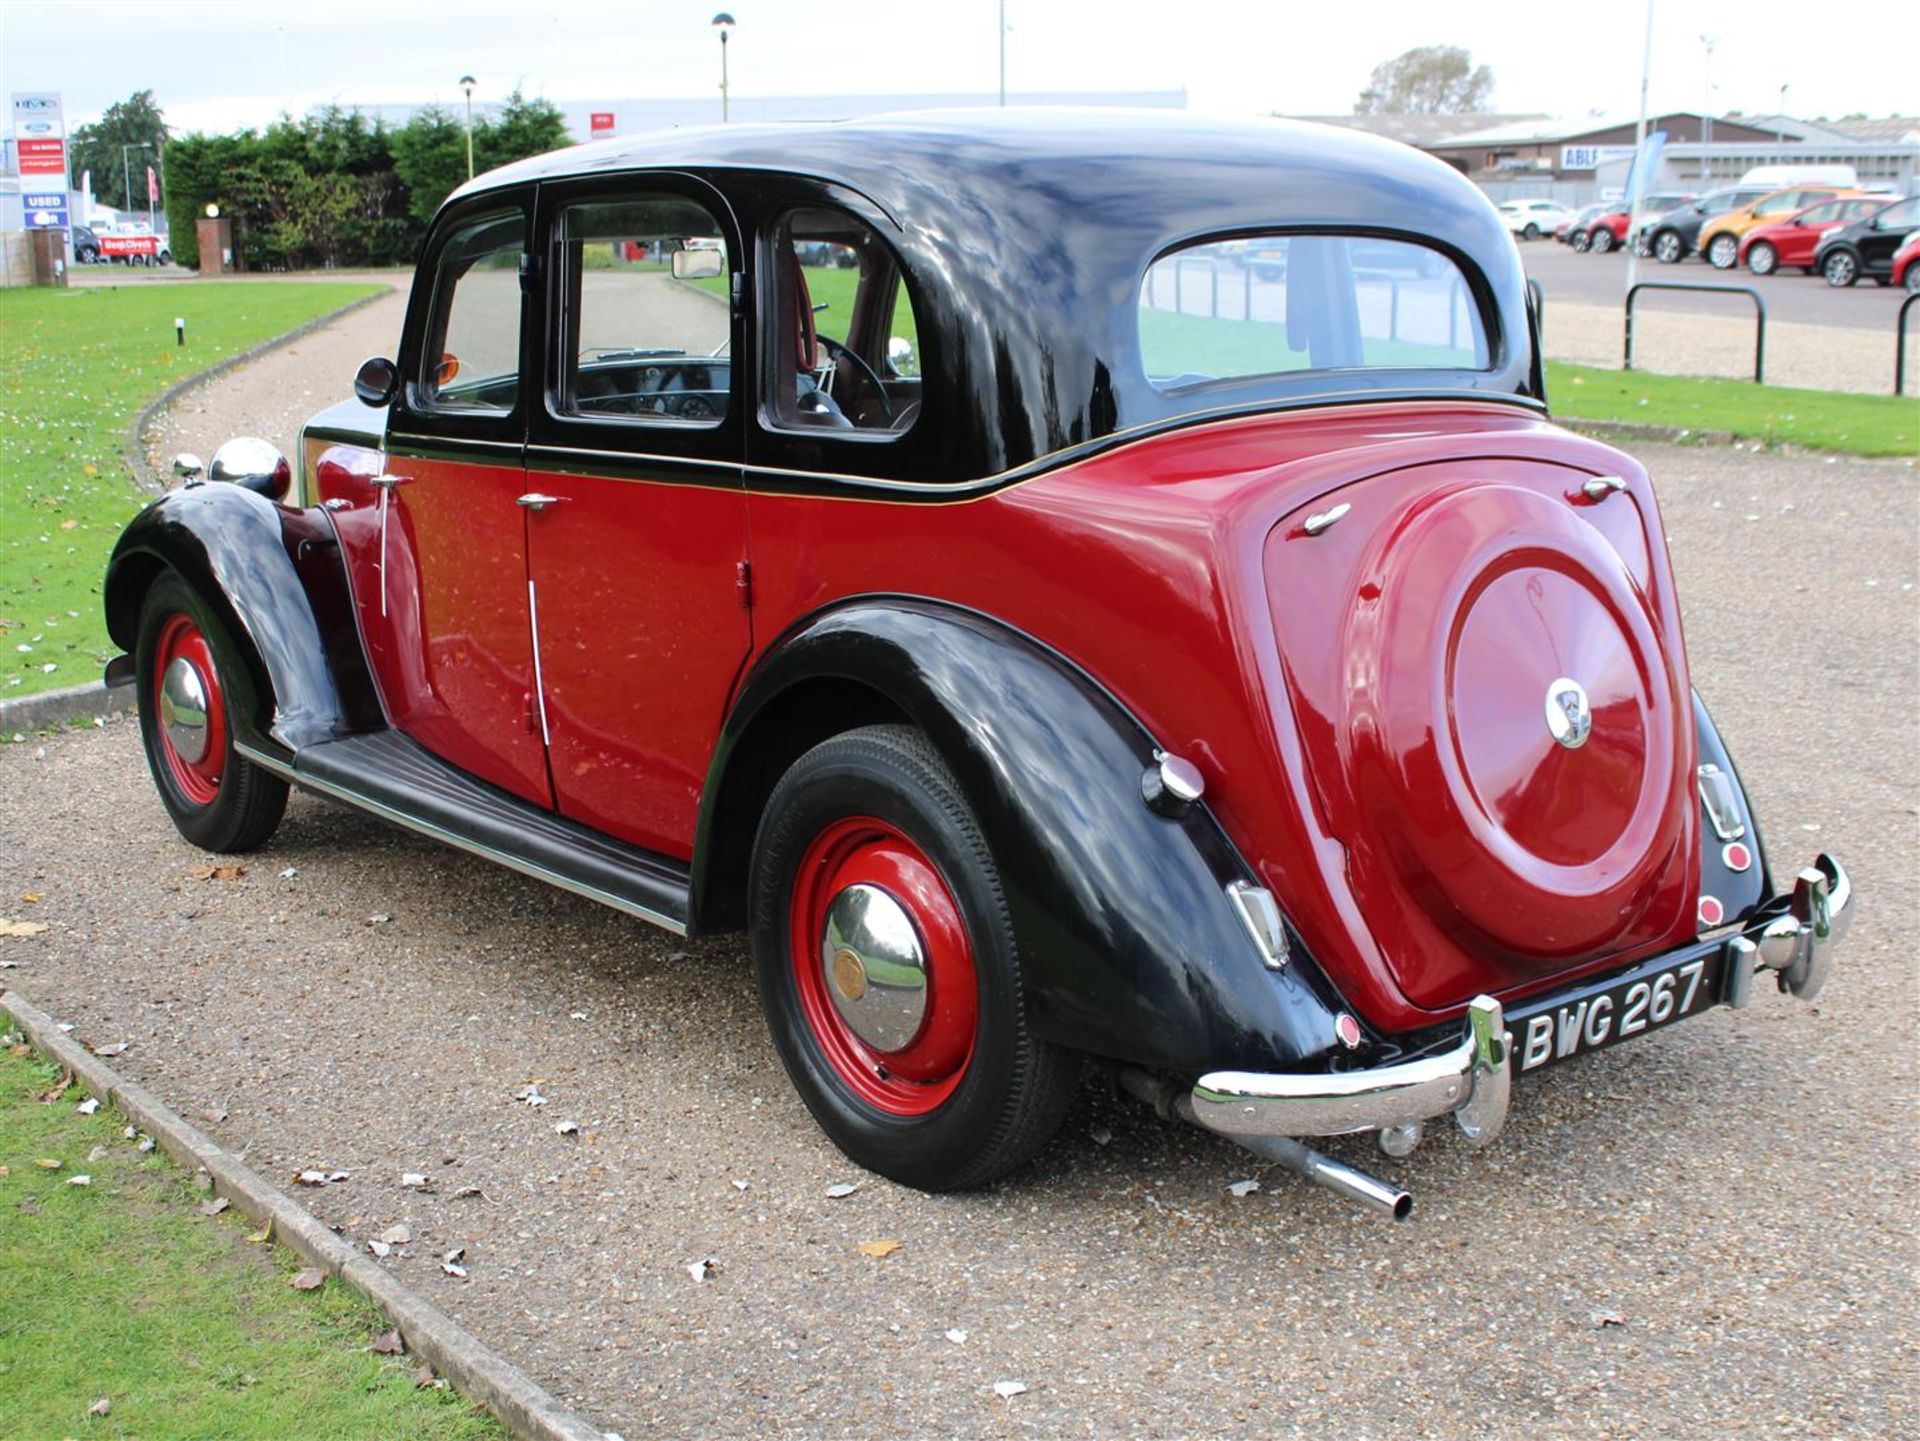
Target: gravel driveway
(1708, 1232)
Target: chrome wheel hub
(183, 710)
(1569, 714)
(875, 967)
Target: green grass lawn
(123, 1291)
(76, 365)
(833, 287)
(1818, 419)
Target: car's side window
(842, 339)
(471, 361)
(647, 311)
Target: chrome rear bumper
(1472, 1080)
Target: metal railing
(1759, 317)
(1900, 343)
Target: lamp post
(723, 22)
(1706, 101)
(467, 83)
(1780, 122)
(126, 171)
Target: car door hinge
(743, 580)
(529, 273)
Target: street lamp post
(1780, 123)
(467, 83)
(723, 22)
(1706, 100)
(126, 170)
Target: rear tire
(950, 1090)
(218, 799)
(1841, 269)
(1762, 258)
(1912, 282)
(1602, 240)
(1724, 252)
(1532, 232)
(1668, 248)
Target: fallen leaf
(465, 1191)
(264, 1234)
(33, 898)
(1243, 1188)
(1007, 1390)
(310, 1178)
(79, 1180)
(740, 1185)
(101, 1407)
(22, 928)
(414, 1181)
(1100, 1136)
(310, 1279)
(98, 1153)
(423, 1378)
(380, 1249)
(145, 1143)
(1602, 1319)
(3, 1173)
(451, 1266)
(88, 1106)
(335, 1177)
(703, 1268)
(388, 1343)
(378, 918)
(957, 1336)
(566, 1128)
(841, 1188)
(531, 1095)
(46, 1163)
(289, 873)
(878, 1249)
(112, 1048)
(217, 873)
(71, 524)
(215, 1206)
(396, 1235)
(57, 1089)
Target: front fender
(273, 575)
(1129, 946)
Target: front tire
(1668, 248)
(1602, 240)
(218, 799)
(1532, 232)
(888, 969)
(1724, 252)
(1841, 269)
(1762, 258)
(1580, 240)
(1912, 282)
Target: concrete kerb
(56, 707)
(430, 1334)
(134, 443)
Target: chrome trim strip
(539, 686)
(433, 832)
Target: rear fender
(1129, 945)
(297, 674)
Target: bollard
(179, 330)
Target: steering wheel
(835, 350)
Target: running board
(397, 779)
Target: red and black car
(1867, 247)
(1791, 242)
(944, 556)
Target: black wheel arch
(1130, 946)
(294, 670)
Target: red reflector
(1711, 911)
(1347, 1029)
(1736, 856)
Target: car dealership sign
(1592, 157)
(40, 148)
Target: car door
(438, 542)
(637, 542)
(1882, 235)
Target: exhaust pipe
(1354, 1184)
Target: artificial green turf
(1817, 419)
(76, 365)
(123, 1291)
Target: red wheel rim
(917, 1075)
(197, 778)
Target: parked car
(1867, 246)
(1531, 219)
(1577, 232)
(1673, 235)
(1609, 231)
(1275, 706)
(1719, 239)
(1906, 263)
(1791, 241)
(86, 246)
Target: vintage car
(1791, 242)
(1719, 238)
(1866, 247)
(1045, 636)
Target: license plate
(1614, 1011)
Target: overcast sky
(220, 64)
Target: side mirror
(257, 465)
(900, 356)
(697, 264)
(377, 381)
(187, 466)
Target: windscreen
(1267, 305)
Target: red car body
(1794, 239)
(1239, 679)
(1906, 263)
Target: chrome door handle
(1602, 486)
(534, 500)
(388, 482)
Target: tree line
(331, 188)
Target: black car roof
(1030, 230)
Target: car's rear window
(1232, 309)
